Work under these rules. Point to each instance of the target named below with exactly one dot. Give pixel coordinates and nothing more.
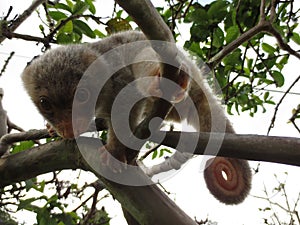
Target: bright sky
(187, 186)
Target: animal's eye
(82, 95)
(45, 104)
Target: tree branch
(17, 22)
(215, 60)
(262, 26)
(145, 203)
(153, 26)
(148, 19)
(138, 200)
(39, 160)
(280, 101)
(251, 147)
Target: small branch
(294, 116)
(281, 42)
(279, 103)
(11, 126)
(8, 12)
(65, 21)
(149, 152)
(25, 37)
(262, 10)
(17, 22)
(7, 140)
(6, 63)
(262, 26)
(215, 60)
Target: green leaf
(99, 33)
(218, 38)
(217, 9)
(199, 16)
(26, 204)
(266, 95)
(198, 34)
(249, 63)
(154, 155)
(41, 27)
(63, 6)
(232, 33)
(41, 187)
(163, 151)
(68, 27)
(270, 62)
(70, 3)
(296, 38)
(29, 184)
(283, 61)
(233, 59)
(242, 99)
(117, 25)
(80, 7)
(92, 7)
(268, 48)
(24, 145)
(270, 102)
(63, 38)
(278, 78)
(84, 28)
(56, 15)
(229, 108)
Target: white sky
(187, 186)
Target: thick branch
(147, 18)
(139, 199)
(252, 147)
(146, 203)
(153, 26)
(50, 157)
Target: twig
(8, 13)
(6, 63)
(26, 37)
(293, 118)
(17, 22)
(11, 126)
(63, 22)
(279, 103)
(149, 152)
(281, 42)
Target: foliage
(5, 219)
(285, 213)
(53, 199)
(249, 69)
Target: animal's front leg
(113, 154)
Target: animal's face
(51, 81)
